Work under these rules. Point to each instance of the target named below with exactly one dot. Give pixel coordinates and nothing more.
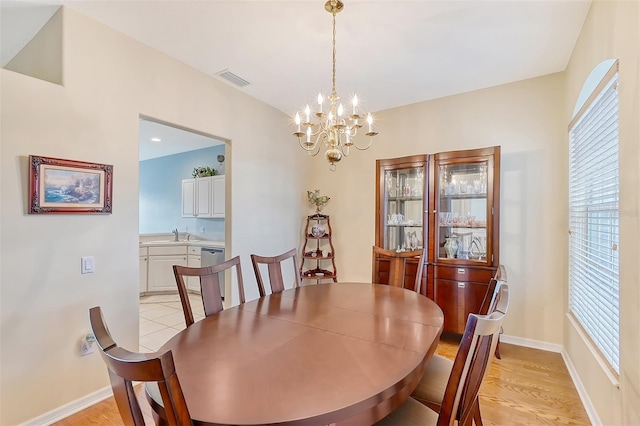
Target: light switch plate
(88, 265)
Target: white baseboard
(553, 347)
(66, 410)
(582, 392)
(530, 343)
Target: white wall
(109, 80)
(611, 30)
(525, 119)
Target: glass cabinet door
(463, 213)
(403, 208)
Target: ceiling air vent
(231, 77)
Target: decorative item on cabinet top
(203, 172)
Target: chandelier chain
(333, 80)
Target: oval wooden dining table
(339, 353)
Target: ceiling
(391, 53)
(171, 141)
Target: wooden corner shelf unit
(317, 261)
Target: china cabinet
(318, 256)
(465, 227)
(448, 202)
(401, 206)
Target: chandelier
(335, 130)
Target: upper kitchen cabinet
(203, 197)
(466, 214)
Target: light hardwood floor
(526, 387)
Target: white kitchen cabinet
(193, 261)
(203, 197)
(218, 197)
(143, 269)
(188, 197)
(161, 260)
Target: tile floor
(161, 318)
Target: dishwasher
(210, 256)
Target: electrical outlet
(86, 348)
(86, 344)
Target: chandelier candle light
(335, 129)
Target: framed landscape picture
(68, 186)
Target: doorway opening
(170, 157)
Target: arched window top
(596, 76)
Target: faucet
(175, 232)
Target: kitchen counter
(192, 243)
(154, 240)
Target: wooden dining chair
(460, 399)
(125, 367)
(501, 273)
(490, 298)
(210, 282)
(398, 266)
(274, 267)
(432, 388)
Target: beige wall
(525, 119)
(611, 31)
(109, 80)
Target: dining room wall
(525, 119)
(109, 81)
(610, 32)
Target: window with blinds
(594, 218)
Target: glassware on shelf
(451, 247)
(404, 207)
(462, 217)
(389, 183)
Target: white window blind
(594, 219)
